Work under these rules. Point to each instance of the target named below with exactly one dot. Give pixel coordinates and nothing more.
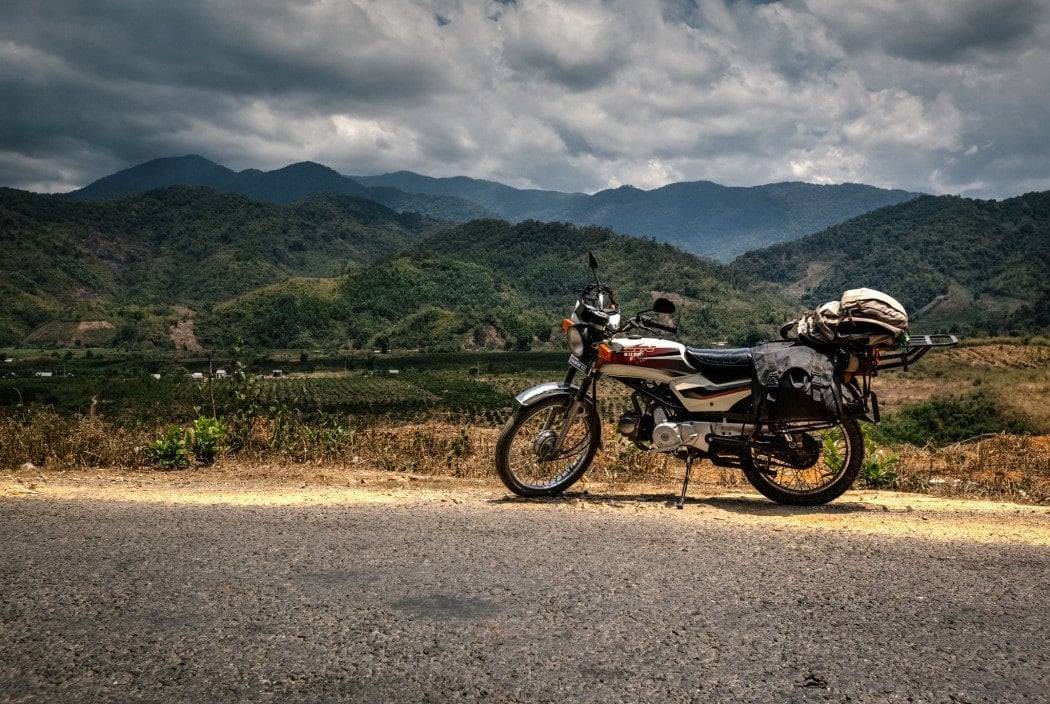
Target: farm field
(137, 389)
(1018, 375)
(440, 414)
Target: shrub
(205, 439)
(875, 470)
(948, 420)
(170, 451)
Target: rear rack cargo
(917, 347)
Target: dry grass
(999, 467)
(47, 439)
(1010, 467)
(1018, 375)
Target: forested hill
(327, 271)
(967, 264)
(333, 270)
(175, 246)
(282, 186)
(708, 219)
(490, 283)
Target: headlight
(590, 315)
(577, 340)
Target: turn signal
(566, 324)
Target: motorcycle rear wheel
(525, 456)
(820, 472)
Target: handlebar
(650, 323)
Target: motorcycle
(791, 427)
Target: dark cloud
(941, 96)
(941, 31)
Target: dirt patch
(183, 333)
(814, 272)
(89, 325)
(70, 334)
(886, 513)
(1002, 356)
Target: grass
(436, 418)
(1016, 375)
(1011, 467)
(1004, 467)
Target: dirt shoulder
(895, 515)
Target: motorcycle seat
(720, 365)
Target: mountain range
(972, 265)
(707, 219)
(198, 265)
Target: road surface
(372, 588)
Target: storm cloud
(941, 96)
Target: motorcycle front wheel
(528, 458)
(807, 468)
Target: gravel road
(382, 589)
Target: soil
(183, 333)
(859, 511)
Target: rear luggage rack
(918, 345)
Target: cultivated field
(439, 415)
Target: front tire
(526, 460)
(821, 470)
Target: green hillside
(186, 267)
(187, 246)
(492, 284)
(968, 265)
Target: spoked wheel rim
(821, 467)
(533, 459)
(528, 458)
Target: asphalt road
(434, 598)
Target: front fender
(541, 391)
(557, 388)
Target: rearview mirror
(662, 305)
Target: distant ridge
(282, 186)
(705, 218)
(190, 170)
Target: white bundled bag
(863, 316)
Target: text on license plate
(578, 363)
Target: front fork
(578, 405)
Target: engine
(656, 433)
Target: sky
(938, 96)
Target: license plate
(577, 363)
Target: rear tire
(524, 458)
(821, 472)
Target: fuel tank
(665, 362)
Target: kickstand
(685, 482)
